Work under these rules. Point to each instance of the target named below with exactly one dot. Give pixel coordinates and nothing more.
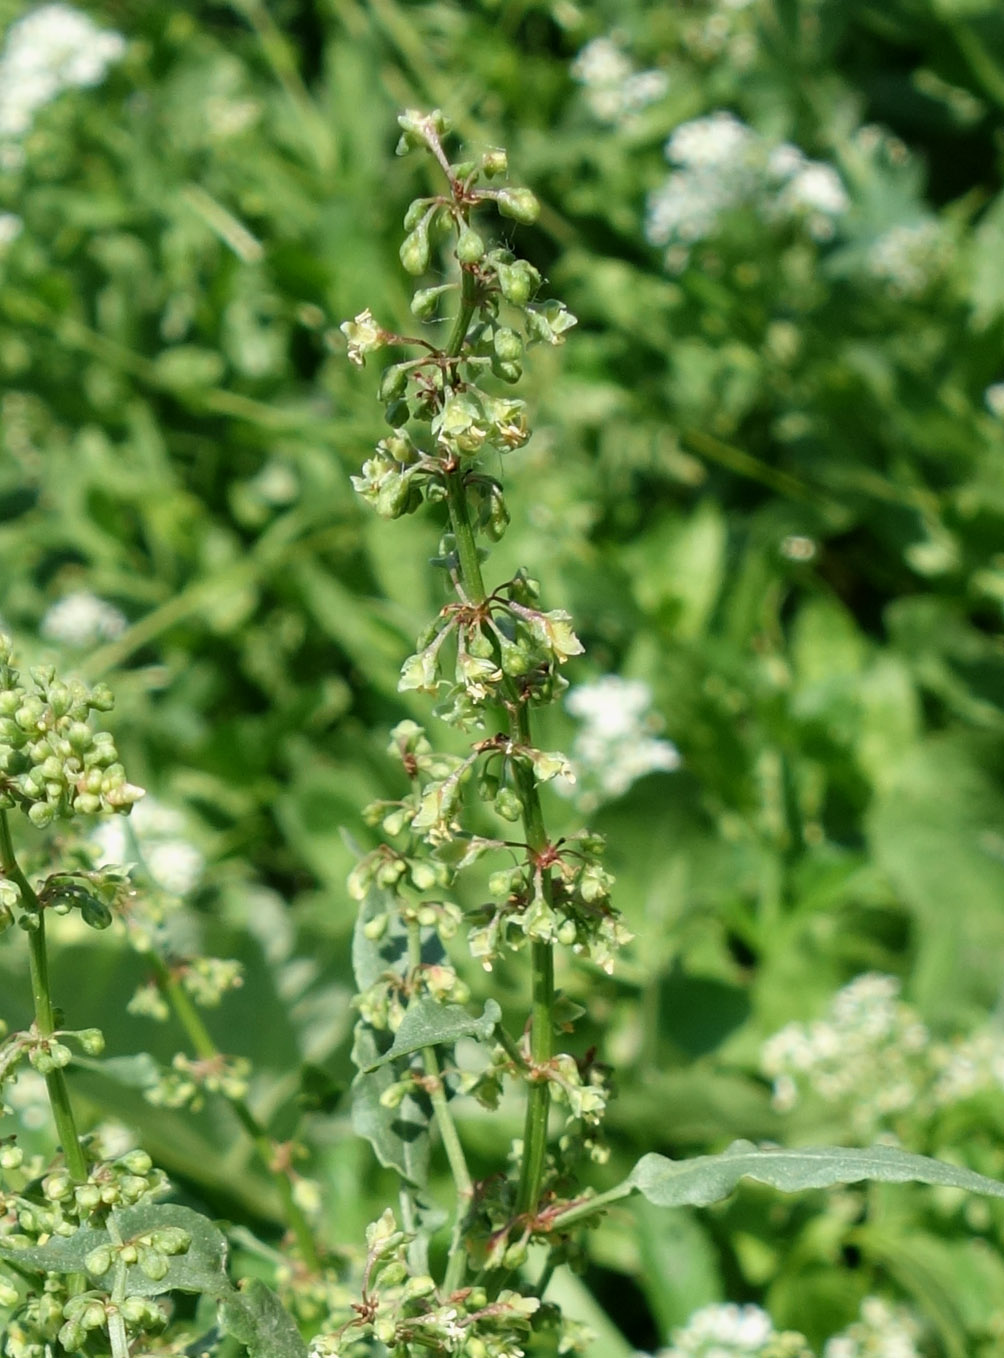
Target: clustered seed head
(53, 764)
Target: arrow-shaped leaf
(426, 1024)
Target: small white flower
(614, 90)
(881, 1331)
(722, 1330)
(82, 619)
(817, 188)
(158, 836)
(907, 257)
(798, 548)
(51, 49)
(617, 743)
(717, 140)
(11, 227)
(994, 398)
(601, 62)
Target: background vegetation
(768, 482)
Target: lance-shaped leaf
(709, 1178)
(427, 1024)
(257, 1319)
(399, 1135)
(201, 1268)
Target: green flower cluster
(400, 1309)
(53, 765)
(488, 659)
(51, 1207)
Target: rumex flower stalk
(489, 657)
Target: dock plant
(93, 1259)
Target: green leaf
(399, 1136)
(679, 1265)
(202, 1268)
(710, 1178)
(427, 1024)
(257, 1319)
(934, 829)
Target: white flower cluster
(721, 165)
(51, 49)
(874, 1053)
(907, 258)
(613, 89)
(157, 836)
(870, 1051)
(883, 1331)
(731, 1331)
(82, 619)
(617, 743)
(725, 1330)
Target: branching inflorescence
(489, 658)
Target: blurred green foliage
(767, 480)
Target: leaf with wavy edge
(709, 1178)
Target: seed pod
(95, 912)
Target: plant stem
(457, 1257)
(55, 1080)
(206, 1049)
(542, 954)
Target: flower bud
(508, 804)
(98, 1261)
(92, 1041)
(10, 1156)
(519, 204)
(416, 211)
(470, 247)
(153, 1263)
(494, 162)
(87, 1197)
(425, 301)
(414, 250)
(394, 382)
(517, 281)
(136, 1162)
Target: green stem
(542, 954)
(457, 1257)
(206, 1049)
(41, 994)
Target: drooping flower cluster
(52, 763)
(720, 165)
